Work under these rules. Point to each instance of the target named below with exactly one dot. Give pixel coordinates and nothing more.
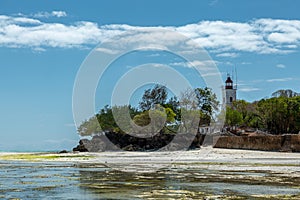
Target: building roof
(228, 80)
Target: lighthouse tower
(230, 91)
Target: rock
(173, 147)
(63, 151)
(112, 141)
(81, 147)
(132, 147)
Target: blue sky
(43, 44)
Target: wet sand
(198, 174)
(206, 156)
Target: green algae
(40, 156)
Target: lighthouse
(230, 91)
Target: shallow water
(61, 180)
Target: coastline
(206, 157)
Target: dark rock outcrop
(112, 141)
(117, 141)
(82, 146)
(63, 151)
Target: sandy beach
(232, 159)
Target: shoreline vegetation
(270, 124)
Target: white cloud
(108, 51)
(16, 34)
(39, 49)
(59, 13)
(158, 65)
(246, 63)
(279, 80)
(50, 14)
(231, 55)
(214, 74)
(263, 36)
(280, 66)
(280, 31)
(248, 89)
(203, 65)
(6, 21)
(224, 36)
(180, 64)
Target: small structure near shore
(230, 92)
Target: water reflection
(27, 180)
(178, 183)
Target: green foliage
(157, 95)
(142, 119)
(159, 118)
(277, 115)
(90, 127)
(104, 121)
(233, 117)
(198, 109)
(249, 117)
(173, 104)
(280, 114)
(122, 117)
(207, 103)
(170, 115)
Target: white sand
(206, 157)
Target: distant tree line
(277, 115)
(155, 104)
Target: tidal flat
(199, 174)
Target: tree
(247, 111)
(152, 121)
(233, 117)
(207, 103)
(90, 127)
(174, 105)
(105, 121)
(198, 108)
(151, 97)
(188, 100)
(207, 100)
(280, 114)
(122, 116)
(277, 115)
(190, 120)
